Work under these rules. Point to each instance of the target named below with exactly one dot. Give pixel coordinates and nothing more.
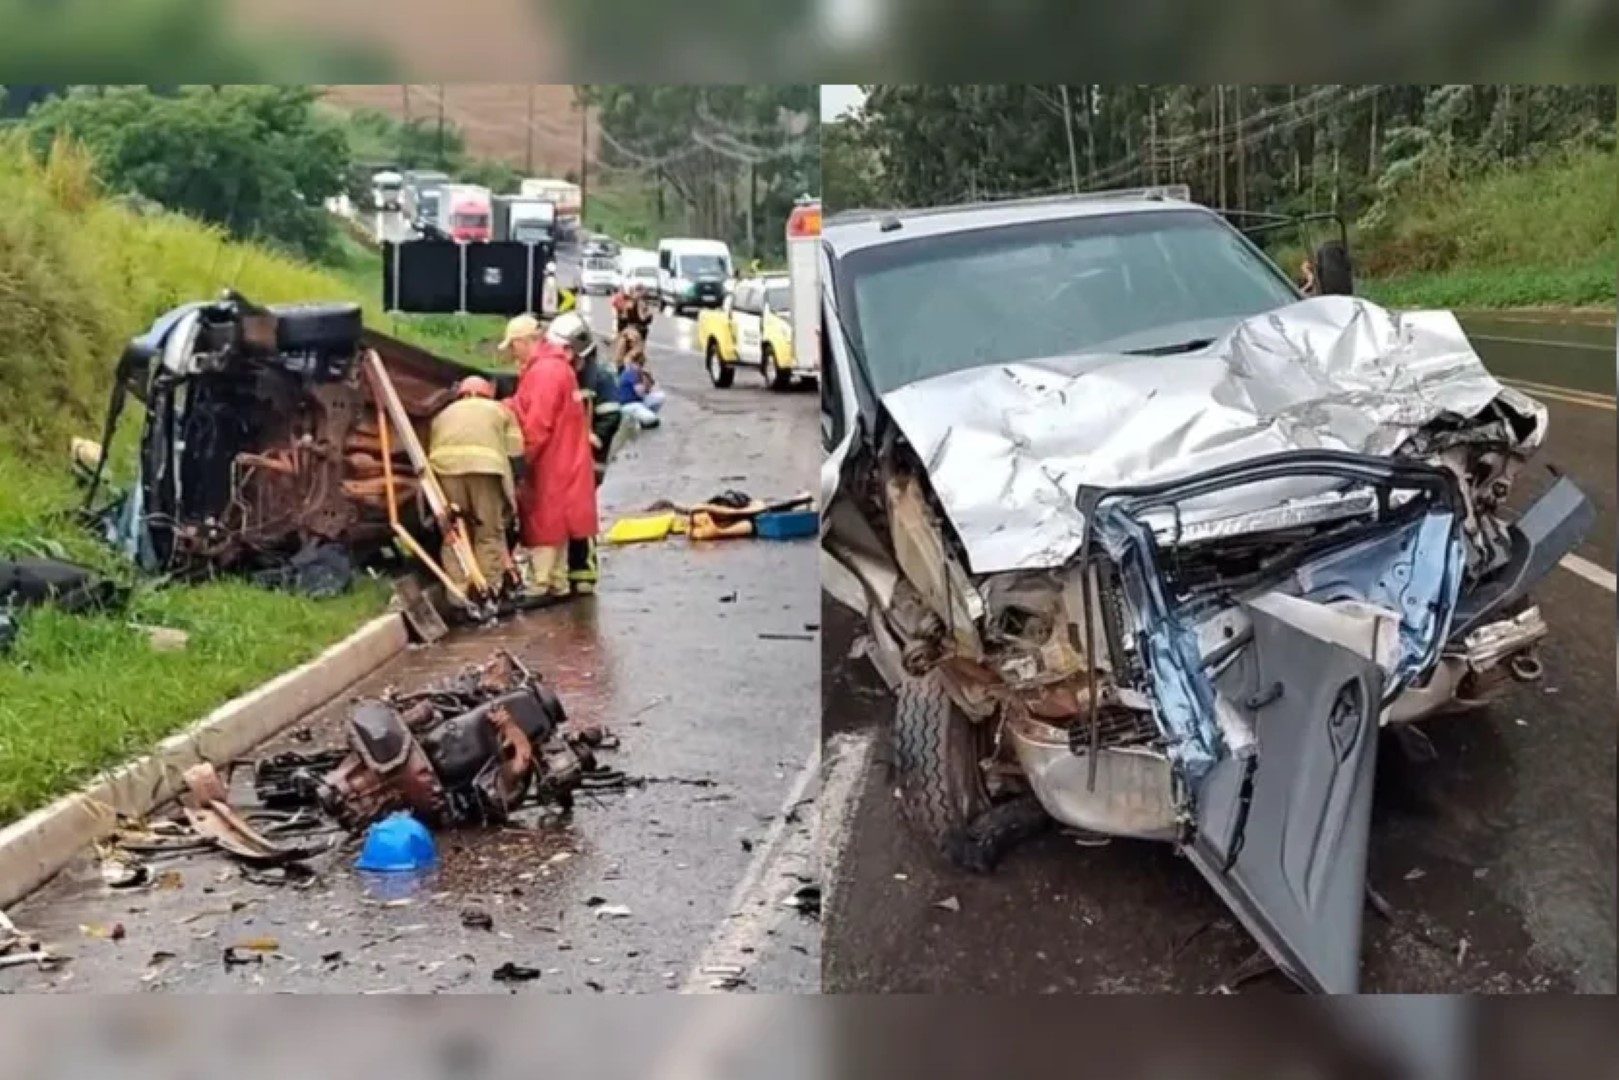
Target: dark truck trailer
(524, 219)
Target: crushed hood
(1008, 447)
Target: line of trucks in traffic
(542, 210)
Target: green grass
(79, 275)
(1586, 286)
(1532, 236)
(81, 693)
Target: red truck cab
(470, 217)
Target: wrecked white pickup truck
(1149, 541)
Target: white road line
(755, 899)
(1543, 344)
(843, 784)
(1588, 570)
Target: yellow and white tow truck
(771, 322)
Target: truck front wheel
(775, 377)
(720, 373)
(937, 756)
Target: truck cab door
(1282, 832)
(747, 322)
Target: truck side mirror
(1334, 273)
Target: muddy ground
(719, 721)
(1498, 858)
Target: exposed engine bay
(261, 438)
(1176, 598)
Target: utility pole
(528, 154)
(1219, 136)
(1152, 133)
(753, 195)
(1242, 155)
(441, 125)
(1068, 129)
(1090, 129)
(1371, 150)
(584, 158)
(404, 91)
(1292, 114)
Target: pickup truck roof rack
(1160, 192)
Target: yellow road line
(1564, 394)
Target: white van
(693, 273)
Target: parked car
(1151, 544)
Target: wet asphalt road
(1498, 858)
(721, 723)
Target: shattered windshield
(934, 305)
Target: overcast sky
(839, 98)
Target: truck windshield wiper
(1170, 350)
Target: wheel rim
(771, 374)
(713, 364)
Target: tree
(851, 176)
(734, 157)
(256, 160)
(1277, 148)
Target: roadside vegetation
(1543, 234)
(79, 275)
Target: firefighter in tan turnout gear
(477, 454)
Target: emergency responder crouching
(477, 454)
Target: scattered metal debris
(512, 973)
(211, 817)
(238, 957)
(476, 918)
(949, 903)
(467, 751)
(18, 948)
(726, 976)
(806, 899)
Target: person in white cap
(599, 391)
(558, 499)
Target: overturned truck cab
(261, 447)
(1178, 597)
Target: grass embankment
(1542, 235)
(78, 276)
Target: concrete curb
(34, 849)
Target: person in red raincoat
(557, 503)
